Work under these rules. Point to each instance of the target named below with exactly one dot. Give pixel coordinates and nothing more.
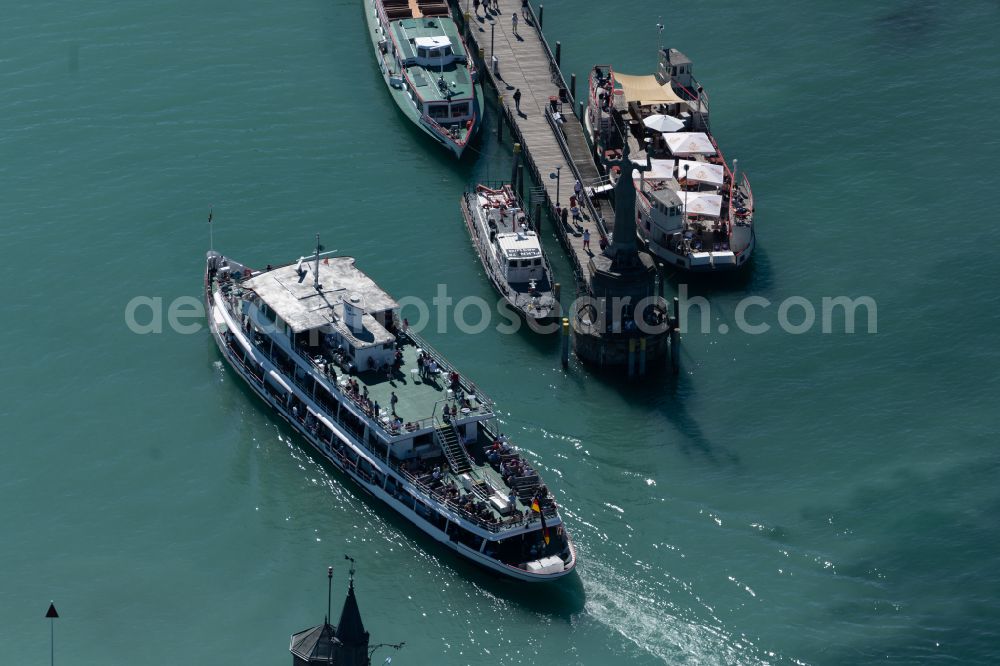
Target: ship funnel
(354, 310)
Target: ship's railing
(515, 521)
(445, 132)
(483, 400)
(235, 353)
(557, 75)
(564, 147)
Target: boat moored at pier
(693, 210)
(323, 346)
(510, 252)
(427, 68)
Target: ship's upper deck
(304, 302)
(435, 58)
(347, 321)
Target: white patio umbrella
(661, 123)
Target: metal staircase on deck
(456, 456)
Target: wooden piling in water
(538, 218)
(500, 119)
(515, 166)
(675, 351)
(541, 14)
(558, 53)
(631, 358)
(677, 312)
(572, 86)
(565, 342)
(642, 357)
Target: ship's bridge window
(421, 52)
(525, 263)
(537, 262)
(512, 263)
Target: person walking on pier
(524, 10)
(517, 99)
(475, 7)
(578, 188)
(586, 240)
(513, 22)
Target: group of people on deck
(359, 394)
(427, 365)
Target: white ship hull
(220, 321)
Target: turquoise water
(818, 499)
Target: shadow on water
(908, 26)
(665, 393)
(563, 598)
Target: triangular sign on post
(52, 611)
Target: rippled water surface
(817, 499)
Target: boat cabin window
(537, 262)
(525, 263)
(512, 263)
(437, 111)
(459, 110)
(441, 52)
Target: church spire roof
(350, 629)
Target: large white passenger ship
(324, 346)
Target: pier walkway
(550, 141)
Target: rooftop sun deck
(425, 77)
(420, 397)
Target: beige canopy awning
(646, 90)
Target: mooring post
(538, 220)
(565, 342)
(556, 290)
(515, 166)
(558, 52)
(631, 358)
(520, 181)
(677, 312)
(675, 351)
(500, 119)
(541, 13)
(642, 357)
(579, 114)
(572, 85)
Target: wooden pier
(551, 142)
(548, 125)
